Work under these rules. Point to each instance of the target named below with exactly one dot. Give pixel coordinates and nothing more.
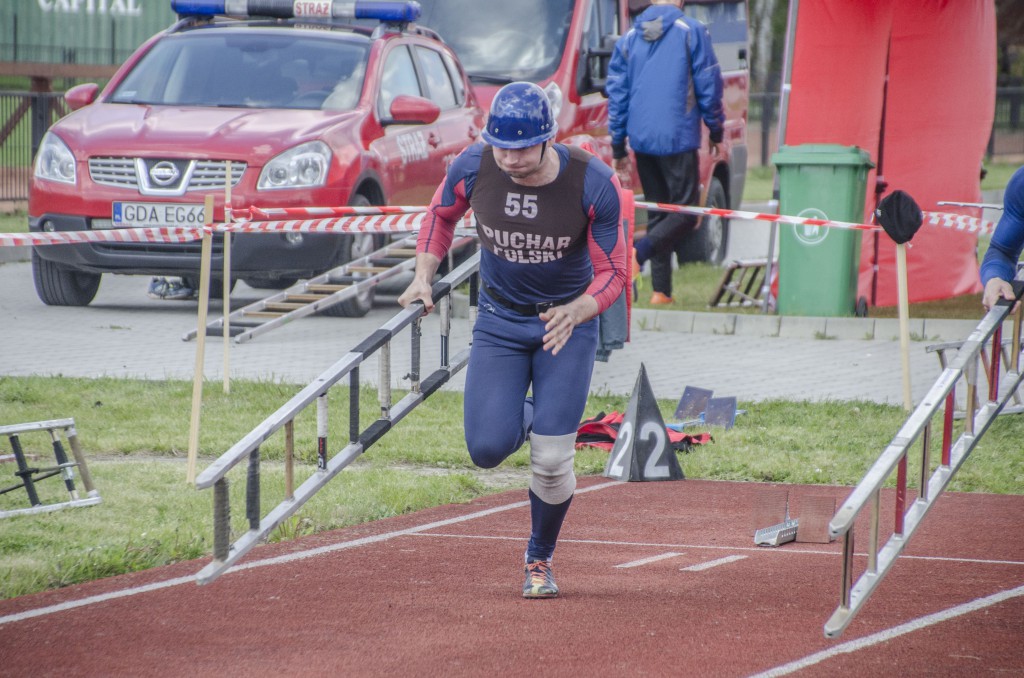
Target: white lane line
(652, 559)
(758, 549)
(700, 567)
(894, 632)
(291, 557)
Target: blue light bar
(391, 12)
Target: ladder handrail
(329, 377)
(315, 394)
(941, 397)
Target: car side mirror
(594, 66)
(80, 96)
(410, 110)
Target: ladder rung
(305, 297)
(369, 269)
(405, 252)
(320, 287)
(283, 306)
(263, 314)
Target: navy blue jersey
(533, 275)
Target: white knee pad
(551, 460)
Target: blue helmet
(520, 117)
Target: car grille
(195, 175)
(193, 248)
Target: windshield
(251, 69)
(727, 23)
(502, 40)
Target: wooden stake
(904, 311)
(226, 275)
(197, 378)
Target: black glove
(619, 150)
(900, 216)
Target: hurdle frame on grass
(941, 398)
(65, 468)
(315, 394)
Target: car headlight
(304, 166)
(55, 161)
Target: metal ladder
(743, 284)
(377, 345)
(936, 411)
(29, 476)
(320, 293)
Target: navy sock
(546, 520)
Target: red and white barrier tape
(384, 223)
(156, 234)
(409, 219)
(267, 213)
(960, 222)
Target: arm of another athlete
(999, 264)
(606, 244)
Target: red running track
(658, 579)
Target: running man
(553, 257)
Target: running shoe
(660, 299)
(540, 580)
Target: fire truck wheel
(709, 242)
(354, 247)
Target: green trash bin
(818, 265)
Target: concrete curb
(787, 327)
(798, 327)
(13, 254)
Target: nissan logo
(164, 173)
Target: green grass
(14, 222)
(759, 185)
(134, 435)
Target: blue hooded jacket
(663, 78)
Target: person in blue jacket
(663, 80)
(999, 266)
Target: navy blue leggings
(506, 358)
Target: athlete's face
(519, 163)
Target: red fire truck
(565, 45)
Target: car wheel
(354, 247)
(58, 285)
(709, 242)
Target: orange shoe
(659, 299)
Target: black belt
(526, 309)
